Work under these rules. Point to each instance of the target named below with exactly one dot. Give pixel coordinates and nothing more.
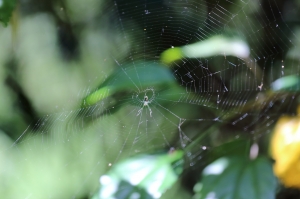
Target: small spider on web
(145, 102)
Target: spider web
(219, 97)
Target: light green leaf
(237, 178)
(287, 83)
(144, 176)
(216, 45)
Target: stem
(204, 134)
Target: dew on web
(212, 85)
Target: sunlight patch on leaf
(217, 168)
(144, 176)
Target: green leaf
(144, 176)
(287, 83)
(138, 76)
(237, 177)
(6, 9)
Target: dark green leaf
(237, 177)
(239, 147)
(138, 76)
(6, 9)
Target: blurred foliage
(72, 72)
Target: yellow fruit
(285, 149)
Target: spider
(145, 103)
